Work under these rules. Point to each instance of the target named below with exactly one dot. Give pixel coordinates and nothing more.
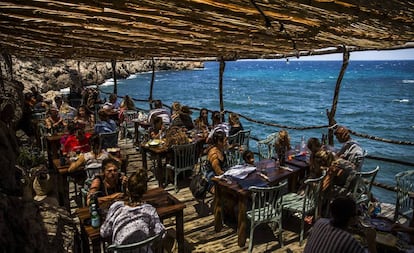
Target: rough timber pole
(331, 114)
(152, 83)
(222, 67)
(113, 63)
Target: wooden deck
(199, 234)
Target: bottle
(302, 146)
(377, 209)
(95, 219)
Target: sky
(401, 54)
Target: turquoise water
(376, 98)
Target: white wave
(403, 100)
(408, 81)
(108, 82)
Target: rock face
(50, 74)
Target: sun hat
(42, 185)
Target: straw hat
(42, 186)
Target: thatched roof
(234, 29)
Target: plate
(154, 142)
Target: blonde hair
(283, 139)
(234, 119)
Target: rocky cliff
(50, 74)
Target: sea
(376, 98)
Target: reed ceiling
(190, 29)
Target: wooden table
(159, 152)
(242, 196)
(167, 206)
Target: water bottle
(377, 209)
(95, 219)
(302, 146)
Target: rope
(381, 139)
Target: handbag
(199, 183)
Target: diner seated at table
(217, 125)
(216, 157)
(106, 124)
(110, 184)
(84, 118)
(282, 145)
(77, 140)
(157, 129)
(351, 150)
(132, 220)
(235, 124)
(54, 122)
(184, 119)
(113, 100)
(92, 159)
(127, 104)
(248, 157)
(65, 110)
(332, 235)
(314, 145)
(340, 174)
(201, 123)
(175, 110)
(159, 111)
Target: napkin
(239, 171)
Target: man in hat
(186, 119)
(351, 150)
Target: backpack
(199, 183)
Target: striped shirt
(325, 238)
(131, 224)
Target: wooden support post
(152, 83)
(1, 80)
(331, 114)
(113, 63)
(79, 77)
(222, 67)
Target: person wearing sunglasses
(110, 184)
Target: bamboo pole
(152, 82)
(331, 113)
(222, 67)
(113, 63)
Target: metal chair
(266, 208)
(184, 159)
(108, 140)
(128, 125)
(138, 247)
(243, 139)
(405, 189)
(305, 204)
(362, 187)
(266, 147)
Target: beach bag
(199, 183)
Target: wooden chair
(405, 189)
(184, 159)
(108, 140)
(362, 187)
(266, 147)
(139, 247)
(305, 204)
(266, 208)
